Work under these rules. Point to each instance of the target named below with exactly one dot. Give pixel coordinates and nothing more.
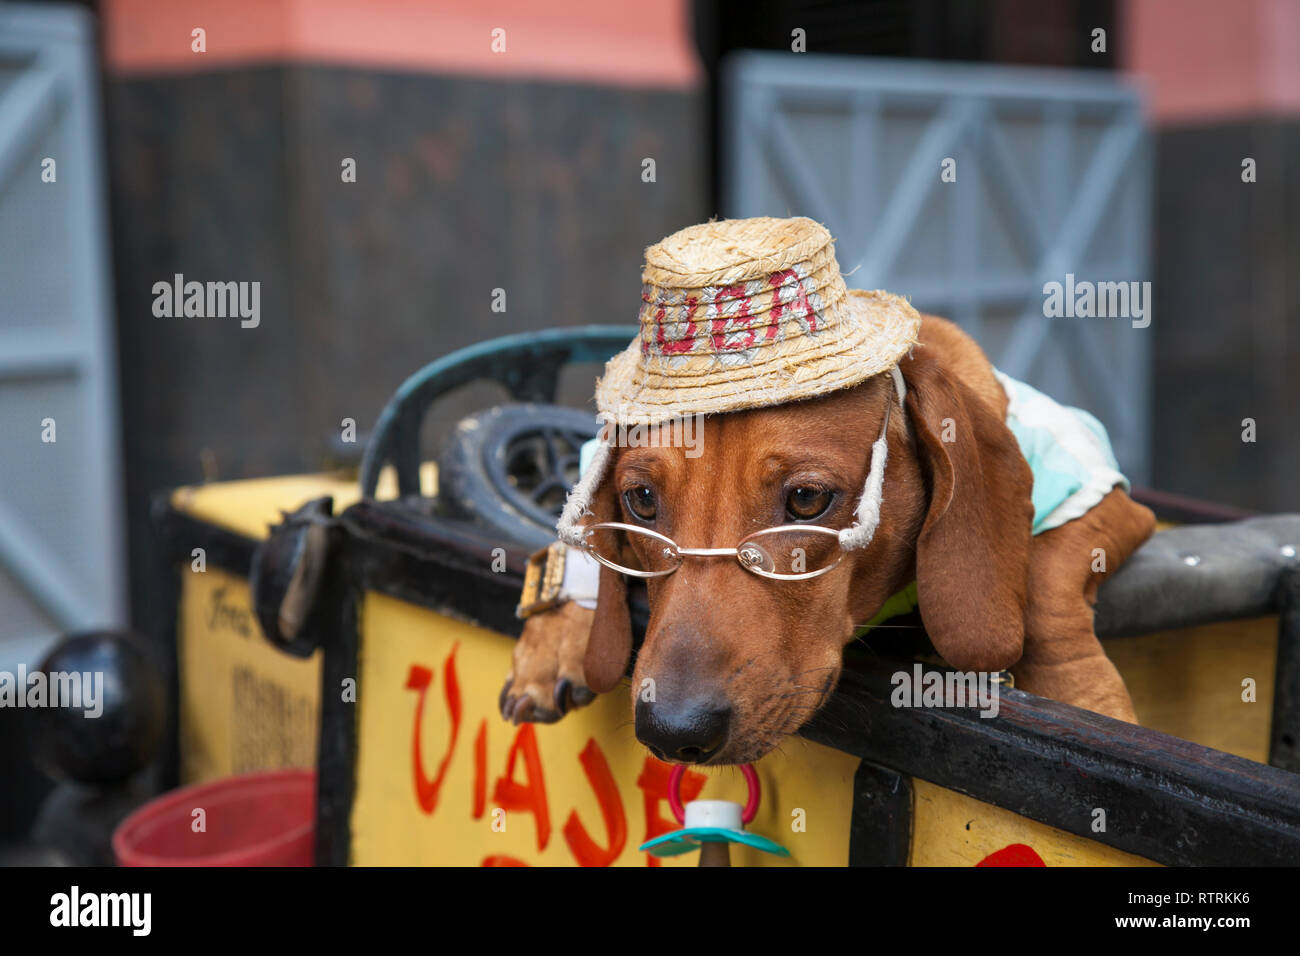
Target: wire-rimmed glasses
(785, 553)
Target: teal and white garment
(1067, 450)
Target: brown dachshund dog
(738, 661)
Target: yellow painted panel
(247, 507)
(1188, 683)
(407, 654)
(244, 704)
(952, 829)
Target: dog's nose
(691, 731)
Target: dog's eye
(641, 502)
(806, 502)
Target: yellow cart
(389, 688)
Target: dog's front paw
(545, 680)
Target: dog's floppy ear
(610, 643)
(972, 555)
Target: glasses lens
(633, 550)
(791, 552)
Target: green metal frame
(527, 364)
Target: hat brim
(875, 331)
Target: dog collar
(853, 538)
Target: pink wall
(1199, 60)
(1203, 61)
(646, 43)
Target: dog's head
(732, 661)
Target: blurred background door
(61, 547)
(969, 186)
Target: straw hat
(746, 313)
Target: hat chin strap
(860, 534)
(853, 538)
(579, 501)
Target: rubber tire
(482, 444)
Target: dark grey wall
(463, 186)
(1227, 324)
